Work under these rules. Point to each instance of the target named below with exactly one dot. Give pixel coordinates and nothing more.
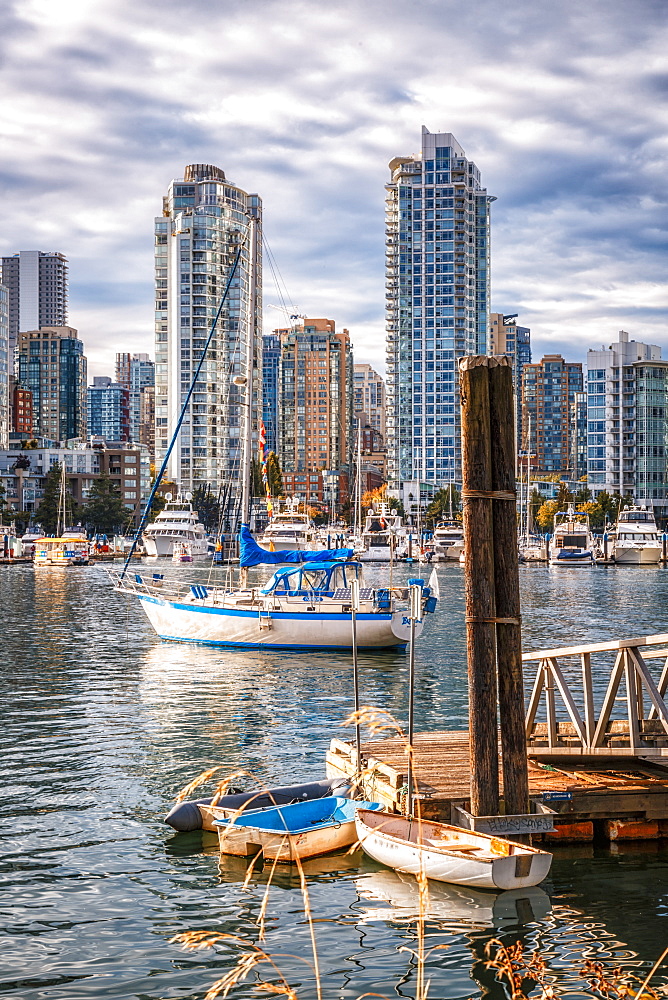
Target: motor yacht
(177, 524)
(448, 541)
(636, 539)
(289, 529)
(572, 543)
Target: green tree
(257, 485)
(444, 502)
(207, 506)
(536, 500)
(564, 496)
(49, 506)
(274, 475)
(105, 512)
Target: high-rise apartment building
(53, 366)
(437, 237)
(147, 419)
(369, 399)
(314, 400)
(108, 410)
(271, 353)
(627, 421)
(5, 366)
(37, 286)
(549, 390)
(205, 220)
(507, 337)
(136, 372)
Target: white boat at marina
(448, 541)
(177, 523)
(308, 606)
(289, 529)
(572, 543)
(532, 548)
(449, 853)
(384, 537)
(636, 540)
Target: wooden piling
(479, 583)
(507, 591)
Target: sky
(560, 103)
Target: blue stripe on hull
(282, 615)
(275, 645)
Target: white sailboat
(309, 604)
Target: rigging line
(281, 286)
(184, 408)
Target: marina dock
(595, 771)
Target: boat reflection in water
(461, 904)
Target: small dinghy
(300, 830)
(449, 853)
(199, 814)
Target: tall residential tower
(205, 220)
(437, 237)
(37, 286)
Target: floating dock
(591, 773)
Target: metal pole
(354, 608)
(415, 609)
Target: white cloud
(562, 108)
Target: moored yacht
(448, 541)
(383, 536)
(289, 529)
(177, 524)
(636, 538)
(572, 543)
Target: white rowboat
(449, 853)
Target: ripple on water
(103, 723)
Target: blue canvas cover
(250, 553)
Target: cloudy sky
(560, 103)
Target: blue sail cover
(250, 553)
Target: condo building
(369, 399)
(271, 353)
(627, 421)
(5, 366)
(437, 281)
(550, 432)
(314, 392)
(37, 287)
(53, 367)
(108, 410)
(507, 337)
(205, 223)
(136, 373)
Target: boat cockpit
(324, 578)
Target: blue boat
(297, 831)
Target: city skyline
(560, 109)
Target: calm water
(103, 723)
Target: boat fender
(430, 605)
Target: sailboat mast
(247, 449)
(358, 505)
(61, 504)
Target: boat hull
(218, 626)
(162, 546)
(636, 556)
(527, 867)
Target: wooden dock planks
(602, 789)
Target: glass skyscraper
(437, 281)
(205, 218)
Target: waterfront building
(108, 410)
(53, 366)
(549, 389)
(147, 419)
(507, 337)
(271, 353)
(21, 411)
(136, 372)
(627, 421)
(369, 401)
(205, 219)
(315, 404)
(437, 280)
(37, 288)
(5, 369)
(127, 465)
